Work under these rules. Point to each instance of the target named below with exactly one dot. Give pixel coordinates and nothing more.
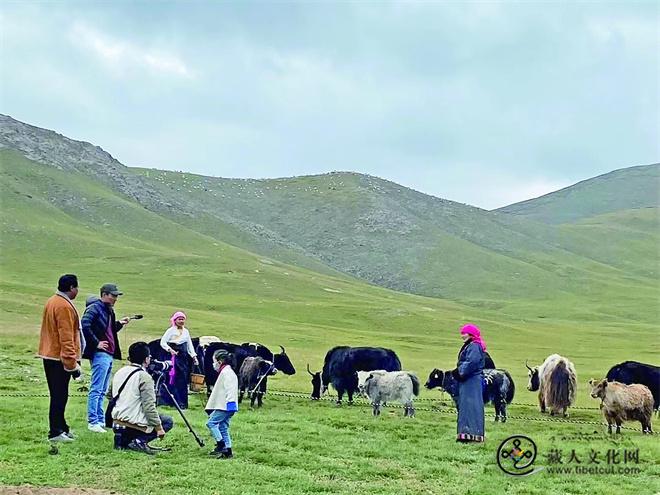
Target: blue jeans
(101, 369)
(218, 423)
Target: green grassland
(402, 239)
(294, 445)
(623, 189)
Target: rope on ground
(450, 411)
(429, 399)
(364, 403)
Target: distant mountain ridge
(623, 189)
(367, 227)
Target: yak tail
(562, 386)
(511, 391)
(415, 383)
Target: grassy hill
(292, 446)
(396, 237)
(624, 189)
(382, 233)
(56, 220)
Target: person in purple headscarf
(468, 373)
(176, 340)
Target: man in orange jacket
(60, 349)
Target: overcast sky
(486, 103)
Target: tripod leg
(199, 441)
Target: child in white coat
(222, 404)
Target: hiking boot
(219, 448)
(138, 446)
(226, 454)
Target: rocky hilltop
(372, 228)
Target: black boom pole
(199, 441)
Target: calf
(316, 384)
(252, 377)
(622, 402)
(498, 387)
(630, 372)
(387, 386)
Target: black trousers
(124, 435)
(58, 388)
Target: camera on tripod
(157, 368)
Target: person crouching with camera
(222, 404)
(136, 421)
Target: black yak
(240, 352)
(341, 365)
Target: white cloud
(122, 57)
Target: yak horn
(308, 370)
(530, 369)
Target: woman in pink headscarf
(176, 340)
(468, 372)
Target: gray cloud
(485, 103)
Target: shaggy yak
(622, 402)
(630, 372)
(556, 382)
(254, 372)
(382, 386)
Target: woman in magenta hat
(176, 340)
(468, 372)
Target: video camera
(157, 368)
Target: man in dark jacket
(100, 329)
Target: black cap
(111, 289)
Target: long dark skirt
(470, 410)
(179, 384)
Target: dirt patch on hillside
(45, 490)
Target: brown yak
(622, 402)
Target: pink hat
(176, 315)
(473, 331)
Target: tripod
(161, 383)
